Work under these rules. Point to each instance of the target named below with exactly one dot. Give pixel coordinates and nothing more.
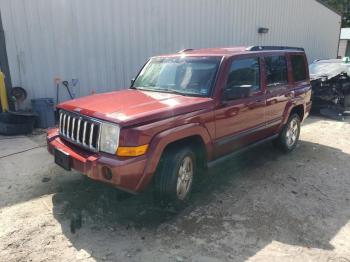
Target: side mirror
(236, 92)
(132, 81)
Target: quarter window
(244, 77)
(299, 68)
(276, 71)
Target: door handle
(233, 112)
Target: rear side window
(299, 68)
(276, 71)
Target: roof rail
(274, 48)
(185, 50)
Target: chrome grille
(80, 130)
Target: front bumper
(127, 173)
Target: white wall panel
(103, 43)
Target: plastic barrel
(44, 108)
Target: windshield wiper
(144, 89)
(167, 90)
(173, 91)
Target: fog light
(107, 173)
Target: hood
(133, 107)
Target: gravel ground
(260, 206)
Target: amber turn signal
(132, 151)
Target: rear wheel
(289, 136)
(174, 176)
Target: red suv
(182, 112)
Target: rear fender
(289, 107)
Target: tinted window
(299, 69)
(185, 75)
(244, 77)
(276, 71)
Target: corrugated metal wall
(103, 43)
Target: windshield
(183, 75)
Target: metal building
(344, 43)
(104, 43)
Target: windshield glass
(183, 75)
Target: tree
(343, 6)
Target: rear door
(301, 79)
(278, 91)
(241, 114)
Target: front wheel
(174, 176)
(289, 136)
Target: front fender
(163, 139)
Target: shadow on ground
(237, 209)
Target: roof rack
(185, 50)
(274, 48)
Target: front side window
(276, 71)
(299, 68)
(243, 78)
(183, 75)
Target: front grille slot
(80, 130)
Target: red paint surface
(130, 107)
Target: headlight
(109, 138)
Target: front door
(242, 113)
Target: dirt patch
(260, 206)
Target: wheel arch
(196, 143)
(299, 110)
(294, 107)
(194, 134)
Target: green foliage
(342, 6)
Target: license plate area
(62, 159)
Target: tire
(172, 184)
(289, 135)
